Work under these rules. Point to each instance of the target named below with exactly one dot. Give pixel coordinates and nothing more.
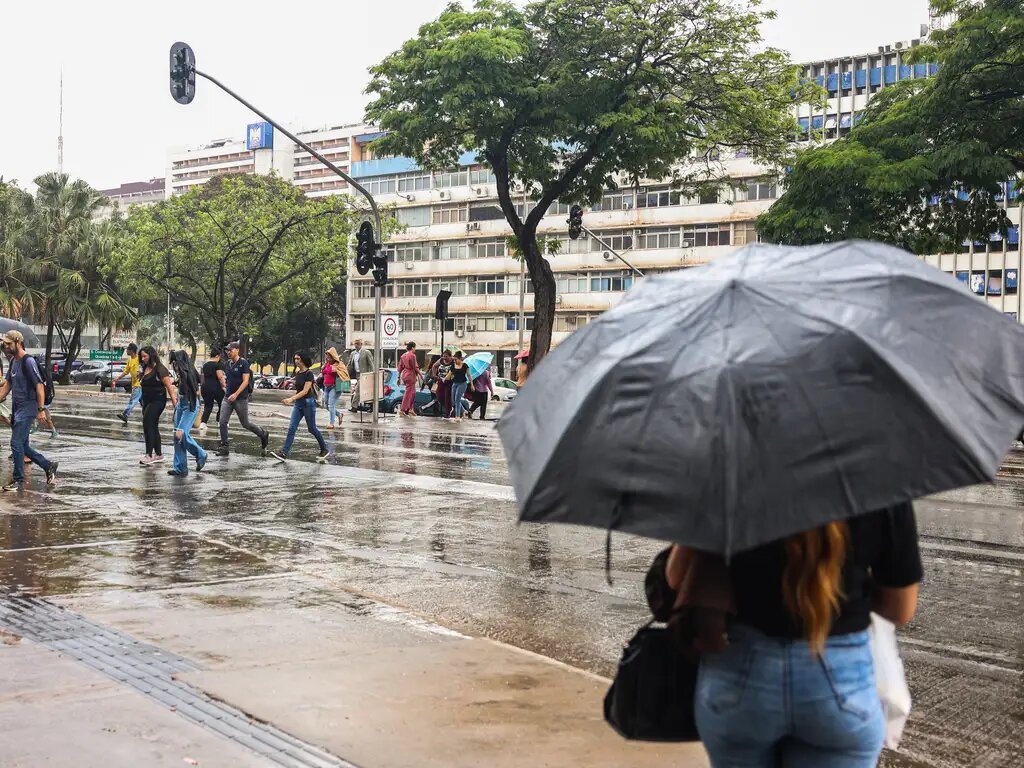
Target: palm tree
(69, 252)
(16, 280)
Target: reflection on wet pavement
(424, 520)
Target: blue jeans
(770, 703)
(135, 399)
(332, 405)
(458, 392)
(184, 418)
(304, 409)
(20, 425)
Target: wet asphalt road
(421, 516)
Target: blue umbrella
(479, 362)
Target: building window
(572, 282)
(484, 323)
(708, 197)
(418, 216)
(411, 288)
(410, 251)
(363, 324)
(416, 323)
(658, 198)
(489, 249)
(618, 239)
(512, 323)
(456, 249)
(413, 182)
(362, 289)
(482, 176)
(485, 212)
(758, 189)
(486, 285)
(513, 284)
(701, 235)
(449, 214)
(457, 285)
(745, 233)
(658, 237)
(384, 185)
(452, 179)
(568, 245)
(602, 282)
(615, 201)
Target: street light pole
(379, 290)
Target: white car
(504, 389)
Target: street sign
(105, 354)
(389, 332)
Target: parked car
(107, 376)
(394, 390)
(58, 365)
(92, 370)
(504, 389)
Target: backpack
(44, 374)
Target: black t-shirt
(882, 551)
(153, 389)
(210, 380)
(233, 372)
(460, 374)
(301, 379)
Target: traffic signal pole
(617, 255)
(379, 289)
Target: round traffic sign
(390, 326)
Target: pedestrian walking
(360, 361)
(409, 373)
(462, 378)
(794, 685)
(131, 369)
(24, 382)
(335, 374)
(212, 388)
(303, 404)
(238, 383)
(483, 391)
(47, 422)
(185, 415)
(442, 374)
(157, 389)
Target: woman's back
(882, 551)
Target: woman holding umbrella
(480, 366)
(808, 411)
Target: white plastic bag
(890, 679)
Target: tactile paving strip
(150, 671)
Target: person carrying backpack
(48, 387)
(25, 383)
(239, 386)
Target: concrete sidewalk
(372, 684)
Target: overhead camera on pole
(575, 222)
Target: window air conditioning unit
(459, 333)
(627, 206)
(409, 265)
(435, 243)
(481, 191)
(899, 46)
(410, 198)
(607, 255)
(444, 195)
(558, 299)
(472, 241)
(473, 226)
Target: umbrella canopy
(479, 362)
(768, 393)
(31, 340)
(522, 355)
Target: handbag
(890, 678)
(652, 695)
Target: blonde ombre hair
(812, 580)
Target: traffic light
(575, 222)
(380, 268)
(365, 248)
(183, 73)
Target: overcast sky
(303, 62)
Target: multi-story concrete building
(132, 193)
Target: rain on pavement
(419, 515)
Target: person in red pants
(409, 373)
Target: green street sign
(105, 354)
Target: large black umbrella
(767, 393)
(31, 340)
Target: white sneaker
(157, 459)
(202, 428)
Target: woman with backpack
(185, 415)
(156, 391)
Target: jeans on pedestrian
(458, 392)
(135, 399)
(184, 418)
(151, 413)
(211, 396)
(771, 703)
(332, 405)
(304, 409)
(241, 407)
(20, 448)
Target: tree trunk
(49, 343)
(543, 297)
(74, 347)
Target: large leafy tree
(16, 294)
(925, 169)
(566, 98)
(232, 250)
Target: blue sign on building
(259, 136)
